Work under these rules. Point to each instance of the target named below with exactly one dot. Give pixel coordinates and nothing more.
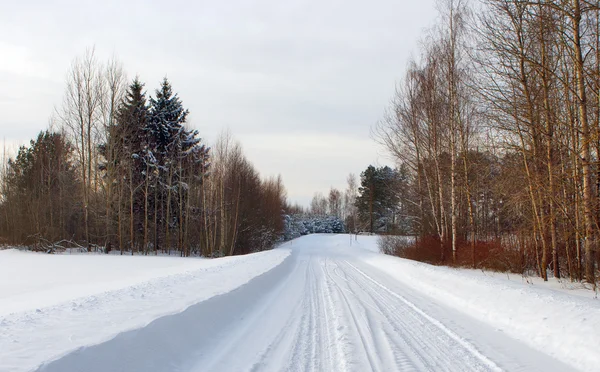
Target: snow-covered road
(325, 308)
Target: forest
(119, 169)
(497, 120)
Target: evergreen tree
(126, 140)
(179, 158)
(125, 161)
(167, 119)
(40, 183)
(377, 199)
(133, 118)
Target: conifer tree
(41, 181)
(179, 156)
(128, 144)
(377, 195)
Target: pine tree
(180, 158)
(377, 197)
(167, 119)
(41, 181)
(124, 152)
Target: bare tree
(81, 114)
(335, 203)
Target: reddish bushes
(490, 255)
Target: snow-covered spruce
(298, 224)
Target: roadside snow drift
(51, 305)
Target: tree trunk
(588, 198)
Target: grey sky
(299, 83)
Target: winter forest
(494, 133)
(497, 121)
(120, 170)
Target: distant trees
(335, 202)
(377, 205)
(127, 173)
(332, 205)
(350, 210)
(378, 198)
(334, 213)
(319, 204)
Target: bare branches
(526, 76)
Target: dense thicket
(498, 123)
(123, 171)
(38, 190)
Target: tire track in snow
(281, 343)
(405, 355)
(408, 350)
(419, 348)
(462, 342)
(367, 344)
(407, 338)
(372, 312)
(337, 341)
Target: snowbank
(30, 280)
(175, 342)
(564, 325)
(51, 305)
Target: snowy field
(318, 303)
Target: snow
(318, 303)
(53, 304)
(558, 318)
(30, 280)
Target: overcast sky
(298, 83)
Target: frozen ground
(315, 304)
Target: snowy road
(323, 309)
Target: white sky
(299, 83)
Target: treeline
(122, 170)
(374, 205)
(498, 125)
(340, 205)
